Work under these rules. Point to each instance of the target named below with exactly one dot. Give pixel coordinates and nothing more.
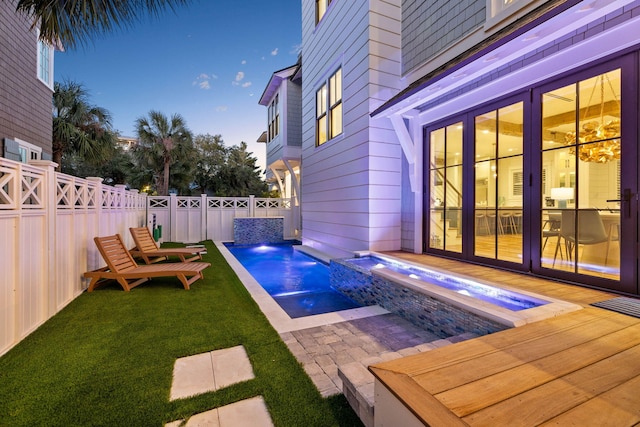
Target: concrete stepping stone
(245, 413)
(211, 371)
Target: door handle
(627, 195)
(626, 199)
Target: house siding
(408, 211)
(549, 49)
(25, 102)
(293, 114)
(350, 185)
(430, 27)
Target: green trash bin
(156, 234)
(159, 231)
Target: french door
(586, 206)
(544, 181)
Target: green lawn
(107, 358)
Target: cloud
(274, 52)
(238, 80)
(203, 81)
(296, 49)
(221, 108)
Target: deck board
(520, 353)
(556, 397)
(529, 375)
(617, 407)
(579, 368)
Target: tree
(240, 175)
(165, 144)
(115, 171)
(211, 159)
(79, 127)
(74, 22)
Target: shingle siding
(25, 102)
(294, 114)
(549, 49)
(430, 27)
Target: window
(45, 63)
(24, 150)
(274, 119)
(329, 108)
(497, 6)
(321, 9)
(517, 183)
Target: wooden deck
(580, 368)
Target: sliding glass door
(581, 152)
(445, 203)
(499, 183)
(545, 181)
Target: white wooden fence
(47, 224)
(48, 221)
(193, 219)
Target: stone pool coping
(555, 307)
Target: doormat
(628, 306)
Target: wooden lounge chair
(122, 267)
(147, 248)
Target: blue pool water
(297, 282)
(501, 297)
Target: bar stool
(517, 220)
(482, 223)
(507, 223)
(491, 216)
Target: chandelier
(598, 138)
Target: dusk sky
(209, 61)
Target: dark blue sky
(209, 61)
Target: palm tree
(78, 126)
(161, 143)
(72, 22)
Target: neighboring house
(491, 131)
(127, 142)
(283, 97)
(26, 89)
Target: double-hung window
(329, 108)
(274, 119)
(321, 9)
(45, 63)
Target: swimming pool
(296, 281)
